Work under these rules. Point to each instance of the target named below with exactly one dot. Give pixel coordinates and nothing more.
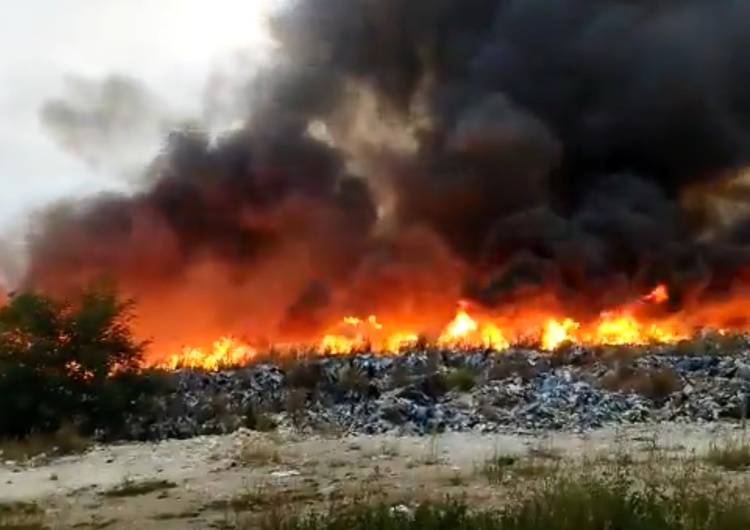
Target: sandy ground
(205, 482)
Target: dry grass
(21, 516)
(305, 373)
(712, 344)
(503, 468)
(131, 488)
(400, 376)
(497, 468)
(266, 497)
(504, 366)
(295, 402)
(259, 451)
(540, 491)
(433, 456)
(260, 421)
(66, 441)
(732, 454)
(656, 384)
(383, 451)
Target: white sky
(169, 44)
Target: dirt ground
(210, 482)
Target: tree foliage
(66, 361)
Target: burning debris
(548, 163)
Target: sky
(172, 46)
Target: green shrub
(69, 361)
(461, 379)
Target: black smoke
(475, 148)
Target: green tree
(66, 361)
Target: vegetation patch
(130, 488)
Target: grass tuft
(66, 441)
(21, 516)
(732, 454)
(130, 488)
(258, 452)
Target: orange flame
(225, 352)
(659, 295)
(615, 327)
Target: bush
(461, 379)
(71, 361)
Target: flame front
(225, 352)
(620, 326)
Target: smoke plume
(403, 154)
(113, 125)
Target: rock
(285, 474)
(743, 371)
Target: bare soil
(211, 482)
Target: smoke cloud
(400, 155)
(114, 125)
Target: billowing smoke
(402, 154)
(113, 125)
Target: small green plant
(461, 379)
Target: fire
(224, 353)
(658, 295)
(620, 326)
(461, 326)
(463, 329)
(557, 333)
(358, 334)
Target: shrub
(461, 379)
(69, 361)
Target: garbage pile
(431, 391)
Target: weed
(461, 379)
(433, 454)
